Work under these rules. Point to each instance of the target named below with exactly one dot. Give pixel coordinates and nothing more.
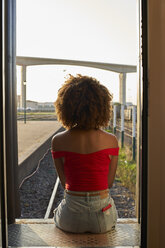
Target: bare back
(83, 141)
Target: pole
(114, 118)
(134, 131)
(122, 125)
(24, 85)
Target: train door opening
(119, 74)
(11, 137)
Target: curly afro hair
(83, 102)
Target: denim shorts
(80, 214)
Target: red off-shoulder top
(86, 172)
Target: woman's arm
(58, 162)
(112, 170)
(59, 165)
(114, 161)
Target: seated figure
(85, 157)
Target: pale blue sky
(94, 30)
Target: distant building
(35, 106)
(129, 104)
(127, 110)
(46, 106)
(32, 105)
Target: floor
(40, 233)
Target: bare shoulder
(111, 139)
(57, 140)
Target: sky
(90, 30)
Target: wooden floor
(43, 233)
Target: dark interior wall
(156, 123)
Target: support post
(122, 88)
(122, 125)
(23, 90)
(134, 131)
(25, 102)
(114, 119)
(122, 99)
(23, 85)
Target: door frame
(3, 195)
(8, 8)
(144, 170)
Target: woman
(85, 157)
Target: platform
(32, 134)
(34, 139)
(43, 233)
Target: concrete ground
(32, 134)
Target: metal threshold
(43, 233)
